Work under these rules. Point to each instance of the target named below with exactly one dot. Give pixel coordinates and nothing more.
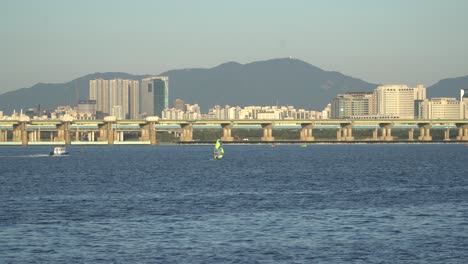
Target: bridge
(110, 131)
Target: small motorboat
(59, 151)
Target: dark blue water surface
(287, 204)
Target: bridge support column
(187, 133)
(91, 136)
(267, 132)
(148, 132)
(386, 132)
(227, 128)
(424, 132)
(32, 136)
(306, 132)
(118, 135)
(447, 134)
(462, 132)
(20, 133)
(63, 133)
(411, 134)
(103, 132)
(346, 133)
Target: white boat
(59, 151)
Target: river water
(383, 203)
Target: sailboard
(218, 151)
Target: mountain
(282, 81)
(448, 87)
(49, 96)
(272, 82)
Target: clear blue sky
(380, 41)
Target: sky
(379, 41)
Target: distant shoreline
(240, 143)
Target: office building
(352, 104)
(397, 101)
(86, 110)
(464, 100)
(441, 108)
(154, 95)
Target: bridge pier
(462, 132)
(91, 136)
(106, 132)
(267, 132)
(20, 133)
(424, 132)
(187, 133)
(148, 132)
(34, 136)
(345, 133)
(306, 132)
(386, 131)
(3, 135)
(411, 134)
(227, 128)
(447, 134)
(63, 133)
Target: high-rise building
(115, 94)
(99, 91)
(154, 95)
(134, 99)
(397, 101)
(464, 101)
(352, 104)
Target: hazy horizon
(407, 42)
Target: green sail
(218, 150)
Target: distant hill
(278, 81)
(448, 87)
(49, 96)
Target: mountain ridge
(283, 81)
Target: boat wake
(27, 156)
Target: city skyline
(380, 42)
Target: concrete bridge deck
(111, 131)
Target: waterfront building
(110, 95)
(464, 100)
(397, 100)
(154, 95)
(326, 112)
(179, 104)
(86, 110)
(134, 99)
(192, 112)
(352, 104)
(99, 91)
(441, 108)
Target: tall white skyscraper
(99, 91)
(397, 101)
(121, 94)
